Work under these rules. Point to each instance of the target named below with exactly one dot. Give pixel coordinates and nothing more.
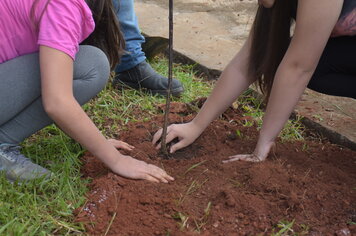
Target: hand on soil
(121, 145)
(260, 154)
(244, 157)
(186, 134)
(132, 168)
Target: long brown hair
(270, 40)
(106, 35)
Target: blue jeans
(132, 34)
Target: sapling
(168, 96)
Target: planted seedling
(168, 97)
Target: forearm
(232, 82)
(230, 85)
(287, 88)
(71, 118)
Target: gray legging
(21, 109)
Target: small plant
(194, 186)
(285, 228)
(248, 123)
(182, 218)
(193, 167)
(239, 134)
(318, 117)
(235, 183)
(204, 219)
(305, 147)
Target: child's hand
(121, 145)
(129, 167)
(186, 133)
(260, 154)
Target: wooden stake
(168, 96)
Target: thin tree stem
(168, 96)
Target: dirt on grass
(305, 187)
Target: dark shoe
(18, 167)
(143, 76)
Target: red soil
(312, 183)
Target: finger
(150, 178)
(157, 136)
(158, 173)
(120, 144)
(125, 146)
(158, 146)
(166, 176)
(246, 157)
(157, 176)
(170, 178)
(177, 146)
(170, 136)
(163, 173)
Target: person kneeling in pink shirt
(46, 76)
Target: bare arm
(315, 22)
(232, 82)
(61, 106)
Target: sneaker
(17, 167)
(143, 76)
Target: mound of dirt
(309, 185)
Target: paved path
(210, 32)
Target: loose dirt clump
(306, 187)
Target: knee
(95, 66)
(91, 73)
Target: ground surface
(216, 31)
(312, 183)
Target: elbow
(50, 106)
(297, 73)
(54, 105)
(302, 68)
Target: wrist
(109, 155)
(263, 148)
(198, 126)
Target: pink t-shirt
(64, 24)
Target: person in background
(321, 55)
(134, 71)
(46, 75)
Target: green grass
(252, 107)
(285, 228)
(44, 207)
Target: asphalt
(209, 33)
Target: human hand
(186, 133)
(260, 154)
(121, 145)
(129, 167)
